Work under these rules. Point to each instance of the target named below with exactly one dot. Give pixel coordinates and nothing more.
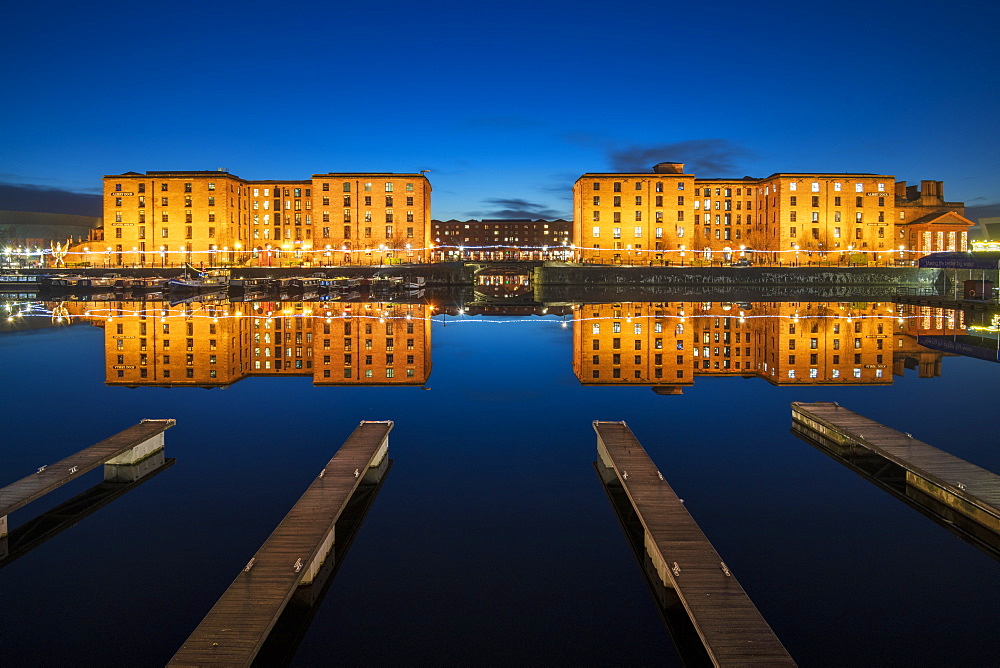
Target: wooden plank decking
(947, 475)
(36, 485)
(238, 624)
(729, 625)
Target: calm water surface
(492, 540)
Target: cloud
(704, 157)
(982, 211)
(516, 208)
(561, 186)
(27, 197)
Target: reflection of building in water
(933, 329)
(501, 283)
(635, 342)
(151, 343)
(786, 343)
(827, 342)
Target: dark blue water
(492, 540)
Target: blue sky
(506, 103)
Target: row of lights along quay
(659, 218)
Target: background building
(501, 239)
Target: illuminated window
(815, 186)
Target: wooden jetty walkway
(127, 456)
(964, 487)
(236, 627)
(730, 627)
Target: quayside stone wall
(560, 274)
(737, 276)
(706, 292)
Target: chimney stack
(931, 193)
(668, 168)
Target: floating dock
(956, 493)
(237, 626)
(127, 456)
(730, 627)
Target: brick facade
(668, 216)
(219, 219)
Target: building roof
(938, 218)
(172, 174)
(741, 178)
(644, 175)
(828, 174)
(393, 174)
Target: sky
(506, 103)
